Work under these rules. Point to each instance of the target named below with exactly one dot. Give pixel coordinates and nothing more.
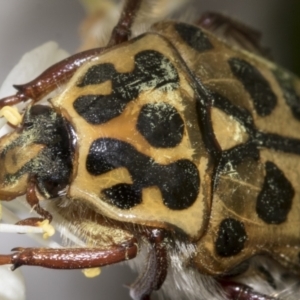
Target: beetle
(200, 170)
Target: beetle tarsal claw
(49, 230)
(91, 272)
(11, 114)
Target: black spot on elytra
(257, 86)
(290, 95)
(193, 36)
(257, 139)
(123, 195)
(274, 202)
(268, 276)
(231, 237)
(152, 70)
(178, 182)
(161, 125)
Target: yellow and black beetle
(170, 139)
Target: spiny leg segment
(70, 258)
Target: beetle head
(39, 148)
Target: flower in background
(33, 63)
(12, 285)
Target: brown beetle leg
(122, 31)
(70, 258)
(235, 32)
(239, 291)
(33, 201)
(50, 79)
(155, 272)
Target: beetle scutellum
(200, 167)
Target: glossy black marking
(291, 97)
(278, 142)
(268, 276)
(161, 125)
(274, 202)
(204, 102)
(178, 182)
(257, 86)
(238, 154)
(231, 237)
(98, 74)
(242, 115)
(52, 167)
(193, 36)
(257, 139)
(152, 70)
(123, 195)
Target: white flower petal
(31, 65)
(12, 285)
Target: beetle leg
(239, 291)
(70, 258)
(122, 31)
(50, 79)
(156, 270)
(235, 32)
(33, 201)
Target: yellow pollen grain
(47, 227)
(11, 114)
(91, 272)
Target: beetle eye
(27, 125)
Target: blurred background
(27, 24)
